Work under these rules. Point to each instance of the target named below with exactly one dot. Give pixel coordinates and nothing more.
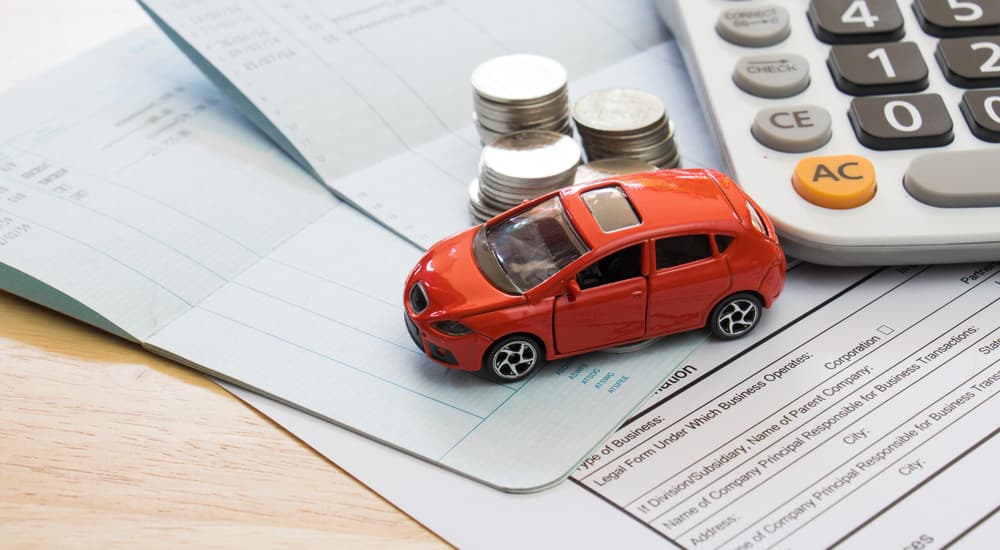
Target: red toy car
(601, 264)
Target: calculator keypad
(883, 68)
(856, 21)
(951, 18)
(972, 62)
(901, 122)
(928, 128)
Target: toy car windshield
(520, 252)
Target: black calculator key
(972, 62)
(855, 21)
(883, 68)
(981, 109)
(954, 18)
(901, 122)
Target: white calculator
(869, 130)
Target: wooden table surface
(103, 444)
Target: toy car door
(609, 305)
(688, 279)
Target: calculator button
(981, 109)
(951, 18)
(792, 129)
(773, 75)
(901, 122)
(855, 21)
(754, 27)
(954, 179)
(841, 182)
(970, 62)
(883, 68)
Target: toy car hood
(452, 284)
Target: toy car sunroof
(867, 129)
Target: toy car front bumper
(457, 352)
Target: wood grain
(103, 444)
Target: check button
(838, 182)
(772, 75)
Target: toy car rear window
(611, 208)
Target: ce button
(797, 129)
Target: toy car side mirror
(572, 290)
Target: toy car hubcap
(514, 359)
(737, 317)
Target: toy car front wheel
(735, 316)
(513, 358)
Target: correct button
(840, 182)
(755, 26)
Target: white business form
(911, 464)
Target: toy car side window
(617, 266)
(722, 242)
(674, 251)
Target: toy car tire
(513, 358)
(735, 316)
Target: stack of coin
(522, 166)
(626, 123)
(520, 92)
(610, 167)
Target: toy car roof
(682, 199)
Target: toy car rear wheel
(735, 316)
(513, 358)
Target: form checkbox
(885, 329)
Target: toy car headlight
(452, 328)
(418, 298)
(757, 220)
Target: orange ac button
(844, 181)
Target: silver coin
(519, 78)
(515, 183)
(474, 192)
(498, 197)
(489, 135)
(668, 161)
(532, 154)
(480, 210)
(556, 102)
(654, 150)
(663, 130)
(618, 110)
(610, 167)
(536, 124)
(557, 119)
